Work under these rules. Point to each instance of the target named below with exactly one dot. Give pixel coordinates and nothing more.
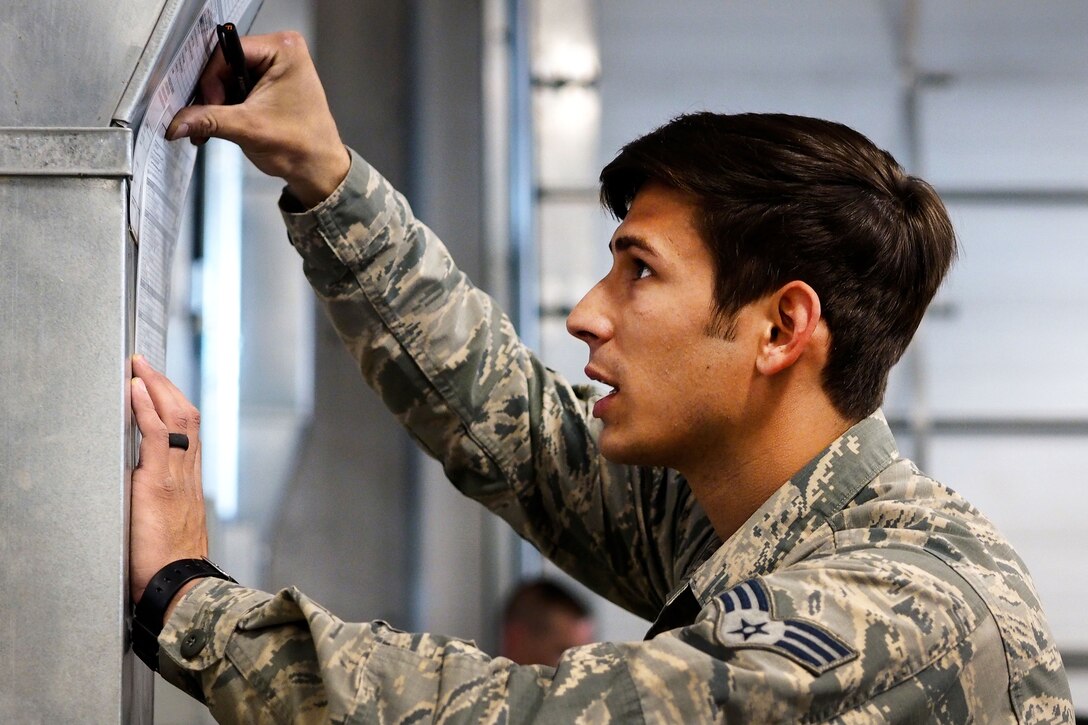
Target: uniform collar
(786, 522)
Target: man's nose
(588, 320)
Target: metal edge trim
(93, 152)
(167, 36)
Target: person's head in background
(541, 621)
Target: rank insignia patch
(748, 622)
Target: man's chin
(625, 452)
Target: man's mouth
(602, 405)
(597, 376)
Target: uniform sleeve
(256, 658)
(846, 638)
(509, 432)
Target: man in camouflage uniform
(798, 569)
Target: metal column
(66, 265)
(70, 75)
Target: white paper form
(161, 173)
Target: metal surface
(1075, 659)
(67, 268)
(66, 64)
(169, 33)
(65, 152)
(1047, 427)
(1004, 197)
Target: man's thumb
(205, 122)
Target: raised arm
(447, 362)
(509, 432)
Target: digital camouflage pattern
(861, 591)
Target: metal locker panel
(66, 64)
(75, 76)
(67, 265)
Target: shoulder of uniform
(828, 612)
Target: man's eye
(641, 270)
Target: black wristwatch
(147, 621)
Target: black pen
(231, 46)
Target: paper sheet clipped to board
(161, 173)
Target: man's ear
(793, 316)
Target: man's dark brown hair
(785, 197)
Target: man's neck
(734, 480)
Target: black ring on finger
(179, 440)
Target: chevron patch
(748, 622)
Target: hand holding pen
(284, 124)
(231, 47)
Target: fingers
(208, 121)
(151, 427)
(211, 118)
(167, 505)
(259, 53)
(284, 126)
(170, 405)
(212, 82)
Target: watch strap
(147, 622)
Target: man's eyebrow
(622, 244)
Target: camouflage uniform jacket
(861, 591)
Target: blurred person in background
(542, 619)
